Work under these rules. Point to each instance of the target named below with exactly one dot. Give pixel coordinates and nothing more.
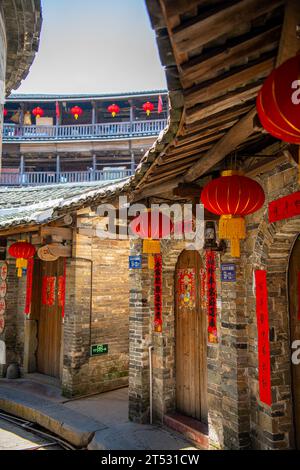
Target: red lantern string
(158, 293)
(30, 266)
(61, 290)
(211, 296)
(48, 290)
(262, 315)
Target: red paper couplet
(61, 290)
(48, 290)
(158, 293)
(262, 315)
(285, 207)
(211, 296)
(29, 286)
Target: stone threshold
(191, 428)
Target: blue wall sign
(135, 262)
(228, 272)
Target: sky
(95, 46)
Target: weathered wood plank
(237, 134)
(223, 22)
(230, 100)
(289, 41)
(244, 75)
(205, 66)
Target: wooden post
(22, 166)
(131, 111)
(57, 168)
(94, 112)
(132, 160)
(94, 166)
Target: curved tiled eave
(23, 20)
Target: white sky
(95, 46)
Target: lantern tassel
(151, 248)
(233, 229)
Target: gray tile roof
(39, 205)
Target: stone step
(191, 428)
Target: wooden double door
(294, 306)
(191, 338)
(49, 317)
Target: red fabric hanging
(61, 290)
(211, 296)
(29, 286)
(48, 290)
(158, 293)
(285, 207)
(264, 359)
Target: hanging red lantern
(38, 112)
(22, 251)
(5, 112)
(76, 111)
(278, 102)
(148, 107)
(113, 109)
(232, 196)
(152, 226)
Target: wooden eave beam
(199, 33)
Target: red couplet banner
(264, 359)
(285, 207)
(211, 296)
(158, 293)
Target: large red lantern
(22, 251)
(38, 112)
(113, 109)
(76, 111)
(232, 196)
(148, 107)
(278, 102)
(152, 226)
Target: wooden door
(294, 302)
(191, 339)
(49, 323)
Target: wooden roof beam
(199, 33)
(237, 134)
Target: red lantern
(113, 109)
(38, 112)
(278, 102)
(76, 111)
(232, 196)
(148, 107)
(23, 251)
(5, 112)
(148, 226)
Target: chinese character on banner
(285, 207)
(186, 288)
(158, 293)
(48, 290)
(211, 299)
(264, 359)
(203, 289)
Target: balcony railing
(43, 177)
(106, 131)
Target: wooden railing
(43, 177)
(106, 131)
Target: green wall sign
(98, 349)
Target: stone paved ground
(13, 437)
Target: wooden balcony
(104, 131)
(43, 178)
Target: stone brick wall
(97, 312)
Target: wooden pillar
(57, 168)
(94, 166)
(22, 167)
(94, 112)
(132, 159)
